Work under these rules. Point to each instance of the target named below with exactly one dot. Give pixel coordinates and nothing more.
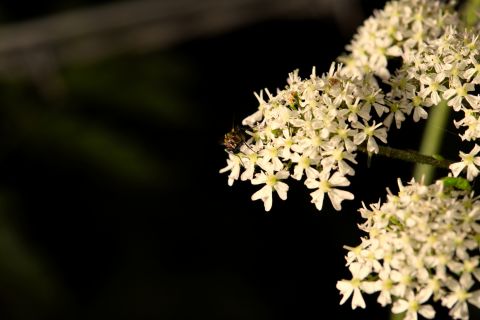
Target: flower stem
(432, 139)
(410, 156)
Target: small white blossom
(369, 133)
(457, 93)
(469, 161)
(347, 287)
(272, 183)
(326, 184)
(233, 165)
(413, 305)
(459, 296)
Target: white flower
(376, 100)
(345, 134)
(474, 70)
(472, 122)
(258, 115)
(334, 159)
(412, 305)
(459, 296)
(233, 165)
(384, 284)
(398, 109)
(469, 161)
(270, 157)
(459, 92)
(272, 182)
(358, 109)
(249, 163)
(347, 287)
(302, 163)
(418, 104)
(432, 87)
(370, 133)
(324, 183)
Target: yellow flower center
(271, 180)
(324, 186)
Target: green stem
(410, 156)
(432, 140)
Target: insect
(294, 101)
(457, 183)
(333, 81)
(234, 139)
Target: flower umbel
(424, 245)
(300, 126)
(313, 126)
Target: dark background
(111, 204)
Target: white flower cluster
(422, 246)
(442, 68)
(438, 60)
(433, 56)
(401, 27)
(313, 127)
(311, 130)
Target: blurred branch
(90, 34)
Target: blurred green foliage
(106, 121)
(95, 118)
(470, 11)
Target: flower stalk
(409, 156)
